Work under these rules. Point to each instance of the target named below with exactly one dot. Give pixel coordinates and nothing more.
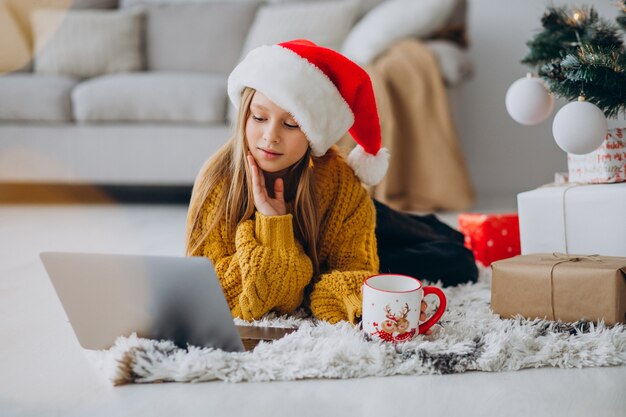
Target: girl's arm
(264, 269)
(352, 258)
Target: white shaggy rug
(470, 338)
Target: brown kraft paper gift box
(560, 287)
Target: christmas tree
(580, 54)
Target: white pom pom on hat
(327, 94)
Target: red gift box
(491, 236)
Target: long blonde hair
(229, 165)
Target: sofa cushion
(158, 96)
(203, 37)
(133, 3)
(87, 43)
(393, 20)
(365, 7)
(326, 23)
(15, 51)
(36, 97)
(24, 9)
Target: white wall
(504, 157)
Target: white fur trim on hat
(300, 88)
(369, 168)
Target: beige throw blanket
(427, 170)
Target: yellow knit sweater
(265, 268)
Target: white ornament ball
(579, 127)
(528, 101)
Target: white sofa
(140, 98)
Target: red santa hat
(326, 93)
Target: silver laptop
(157, 297)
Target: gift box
(490, 236)
(607, 164)
(583, 219)
(560, 287)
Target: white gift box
(607, 164)
(583, 219)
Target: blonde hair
(229, 164)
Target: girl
(282, 216)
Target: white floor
(44, 373)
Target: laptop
(158, 297)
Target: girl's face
(274, 138)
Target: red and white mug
(392, 307)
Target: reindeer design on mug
(396, 327)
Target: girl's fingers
(250, 159)
(259, 177)
(279, 189)
(424, 306)
(256, 184)
(255, 176)
(252, 167)
(262, 200)
(255, 170)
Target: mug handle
(435, 317)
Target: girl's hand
(262, 201)
(423, 316)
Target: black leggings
(422, 247)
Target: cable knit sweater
(265, 268)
